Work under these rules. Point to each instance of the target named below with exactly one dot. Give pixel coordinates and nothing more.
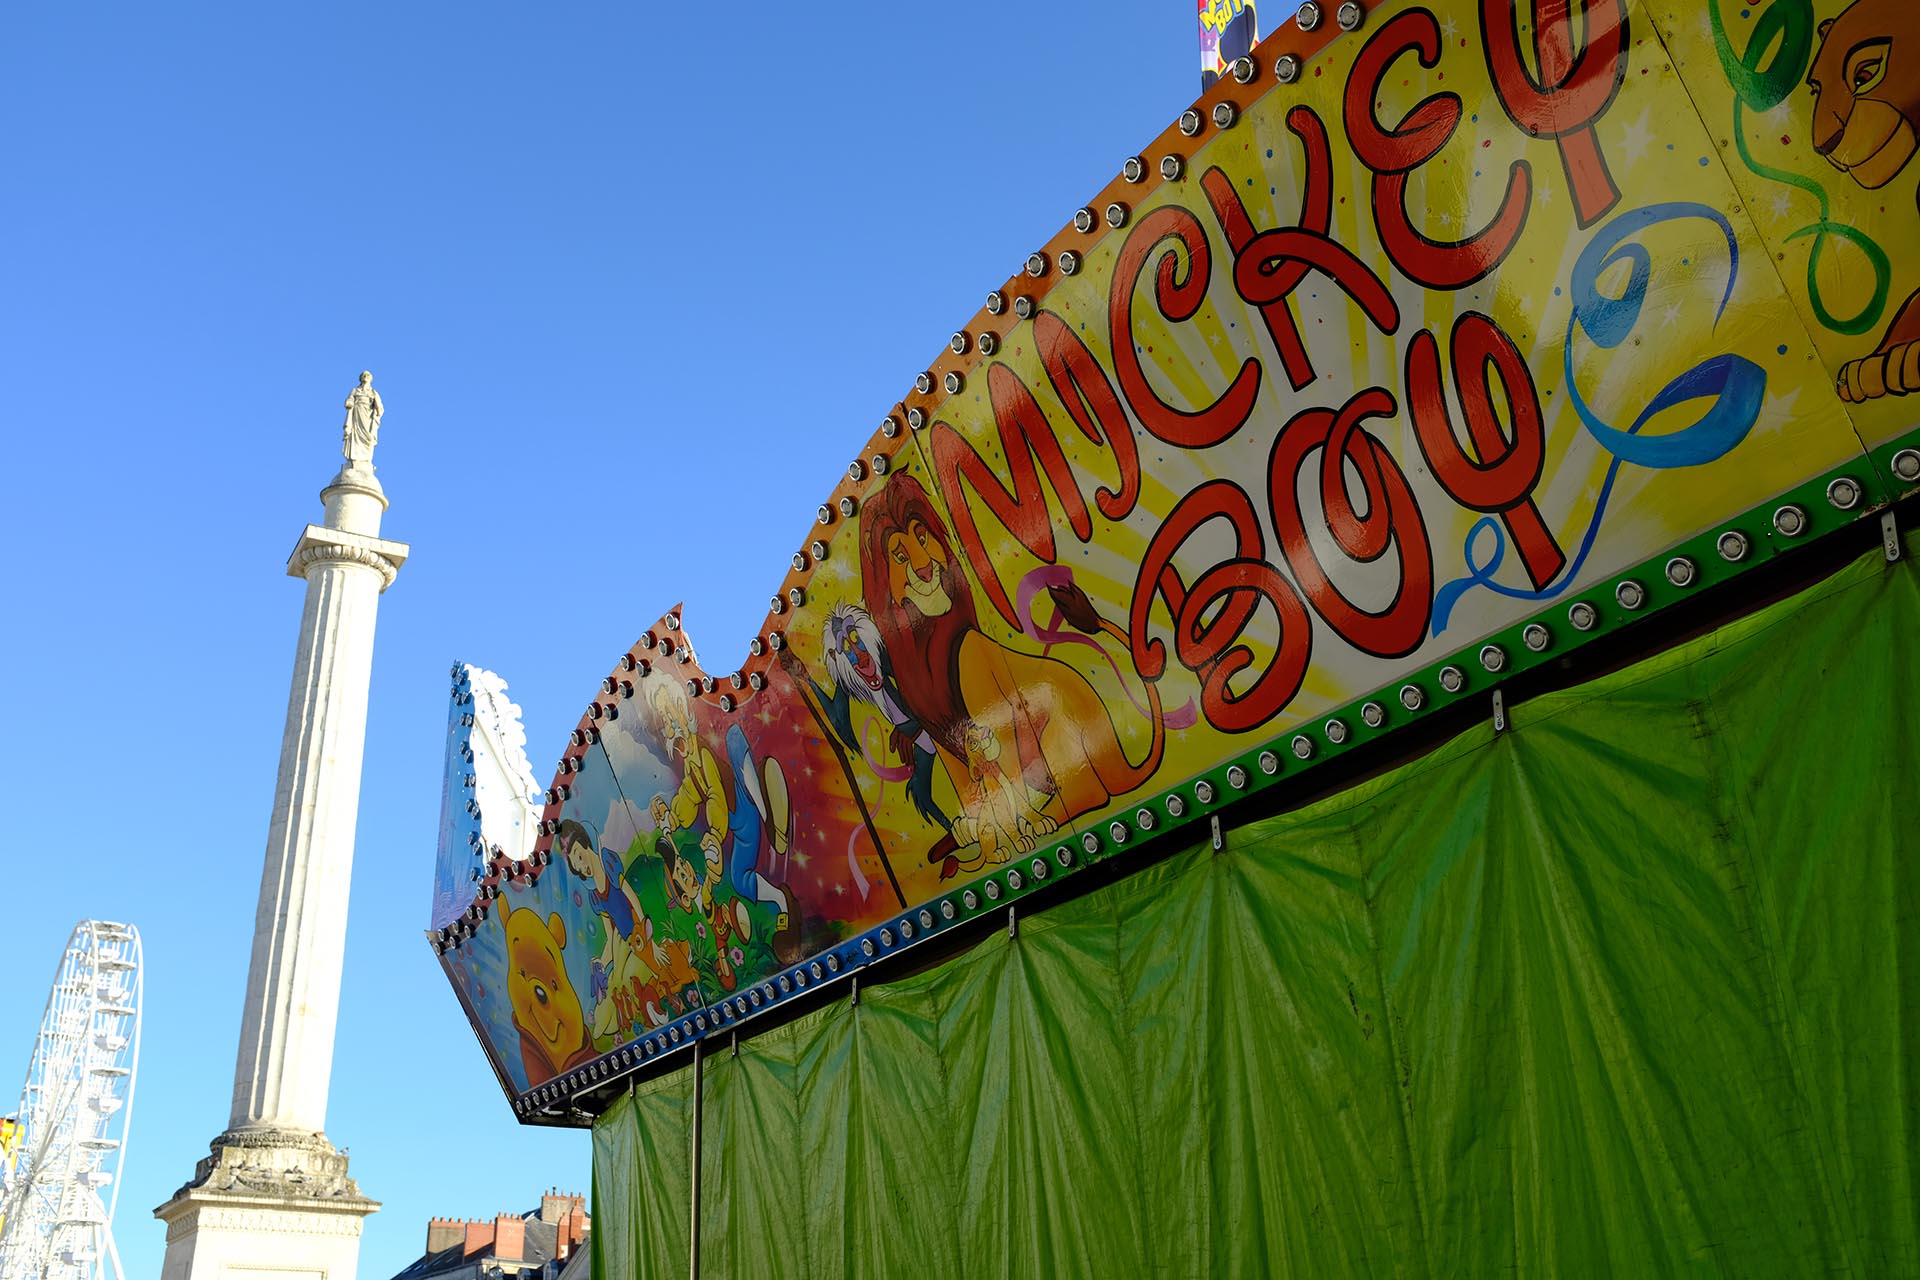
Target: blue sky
(558, 235)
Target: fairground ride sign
(1433, 342)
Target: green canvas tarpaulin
(1631, 989)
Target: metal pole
(693, 1232)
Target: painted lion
(1866, 99)
(1025, 739)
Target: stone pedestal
(266, 1205)
(273, 1200)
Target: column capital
(319, 544)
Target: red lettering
(1392, 516)
(1238, 586)
(1502, 479)
(1576, 84)
(1083, 388)
(1178, 297)
(1025, 434)
(1394, 153)
(1316, 214)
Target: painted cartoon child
(735, 798)
(629, 934)
(689, 891)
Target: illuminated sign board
(1425, 353)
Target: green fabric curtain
(1631, 989)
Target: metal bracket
(1890, 535)
(1219, 841)
(1013, 923)
(736, 1044)
(1499, 712)
(853, 993)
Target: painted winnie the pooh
(546, 1009)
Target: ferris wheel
(65, 1145)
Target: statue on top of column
(362, 428)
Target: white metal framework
(71, 1132)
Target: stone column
(274, 1196)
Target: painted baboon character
(856, 659)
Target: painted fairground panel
(1221, 482)
(1813, 112)
(1414, 354)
